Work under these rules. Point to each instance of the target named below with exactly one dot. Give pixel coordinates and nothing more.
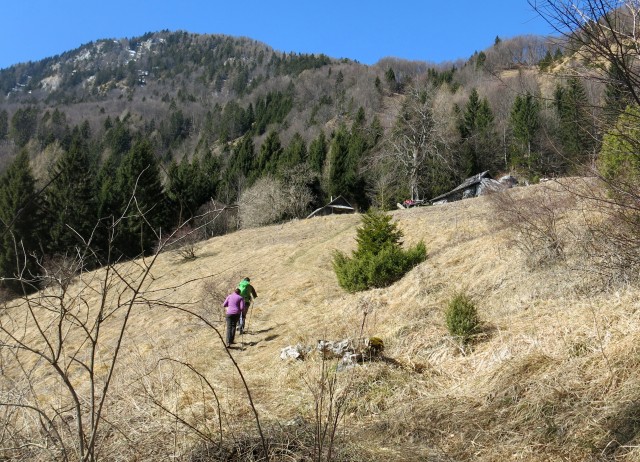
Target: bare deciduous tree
(62, 349)
(417, 143)
(604, 32)
(271, 200)
(62, 364)
(537, 220)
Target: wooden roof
(338, 205)
(471, 181)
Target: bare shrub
(183, 241)
(216, 219)
(270, 200)
(295, 181)
(60, 271)
(612, 243)
(5, 295)
(60, 330)
(213, 292)
(537, 221)
(331, 394)
(262, 204)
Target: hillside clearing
(552, 377)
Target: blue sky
(423, 30)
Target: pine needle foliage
(379, 260)
(462, 317)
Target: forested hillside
(192, 124)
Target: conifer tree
(376, 131)
(270, 153)
(619, 159)
(140, 198)
(19, 220)
(191, 184)
(557, 55)
(390, 77)
(575, 127)
(355, 180)
(318, 153)
(241, 164)
(379, 260)
(243, 160)
(338, 180)
(118, 138)
(617, 95)
(106, 194)
(182, 187)
(478, 135)
(525, 122)
(546, 61)
(24, 123)
(344, 178)
(209, 176)
(4, 124)
(71, 198)
(294, 154)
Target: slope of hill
(553, 376)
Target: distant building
(337, 205)
(477, 185)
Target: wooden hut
(337, 205)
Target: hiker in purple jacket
(235, 307)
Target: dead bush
(60, 270)
(612, 243)
(270, 200)
(537, 220)
(262, 204)
(5, 295)
(216, 219)
(183, 241)
(213, 293)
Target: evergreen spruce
(525, 122)
(379, 259)
(20, 221)
(617, 94)
(71, 198)
(294, 154)
(575, 127)
(183, 188)
(140, 199)
(318, 153)
(270, 153)
(4, 124)
(208, 177)
(24, 124)
(478, 135)
(339, 176)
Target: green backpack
(244, 289)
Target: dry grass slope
(553, 376)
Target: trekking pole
(246, 318)
(244, 327)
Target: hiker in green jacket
(248, 293)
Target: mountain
(190, 92)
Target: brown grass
(554, 376)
